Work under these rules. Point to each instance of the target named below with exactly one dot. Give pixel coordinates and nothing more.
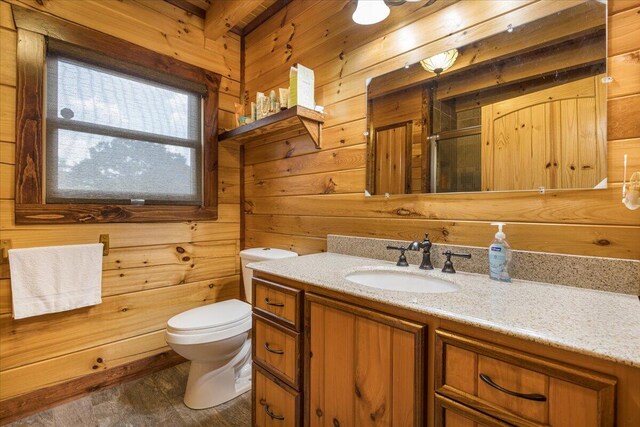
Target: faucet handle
(402, 261)
(448, 264)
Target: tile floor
(154, 400)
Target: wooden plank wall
(295, 195)
(154, 270)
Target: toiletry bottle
(272, 102)
(499, 256)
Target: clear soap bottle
(499, 256)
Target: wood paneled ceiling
(239, 16)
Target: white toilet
(216, 338)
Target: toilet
(216, 338)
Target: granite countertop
(596, 323)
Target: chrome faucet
(425, 245)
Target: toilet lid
(212, 316)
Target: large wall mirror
(522, 109)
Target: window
(115, 138)
(107, 131)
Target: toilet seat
(209, 323)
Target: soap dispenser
(499, 256)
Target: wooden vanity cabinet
(342, 361)
(364, 368)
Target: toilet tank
(255, 255)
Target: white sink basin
(401, 281)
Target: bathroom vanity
(331, 352)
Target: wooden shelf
(290, 120)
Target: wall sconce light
(370, 12)
(440, 62)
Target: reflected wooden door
(554, 138)
(393, 159)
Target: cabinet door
(364, 368)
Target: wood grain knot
(403, 212)
(180, 249)
(319, 412)
(358, 393)
(603, 242)
(336, 423)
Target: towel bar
(5, 245)
(104, 239)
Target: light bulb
(370, 12)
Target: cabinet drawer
(281, 302)
(520, 388)
(277, 349)
(274, 404)
(450, 413)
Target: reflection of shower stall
(454, 147)
(455, 160)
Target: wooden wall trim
(39, 400)
(30, 60)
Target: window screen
(117, 138)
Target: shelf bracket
(314, 129)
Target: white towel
(55, 278)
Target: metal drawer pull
(533, 396)
(275, 304)
(270, 350)
(271, 414)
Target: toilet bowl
(216, 338)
